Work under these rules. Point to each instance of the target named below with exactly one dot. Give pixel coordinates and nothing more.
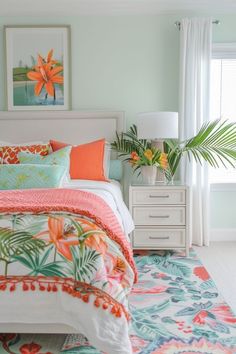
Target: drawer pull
(159, 216)
(159, 196)
(159, 237)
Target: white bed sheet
(111, 193)
(58, 310)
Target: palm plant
(140, 152)
(215, 143)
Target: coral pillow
(9, 154)
(86, 161)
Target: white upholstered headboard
(74, 127)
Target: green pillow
(60, 157)
(27, 176)
(115, 171)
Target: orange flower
(163, 160)
(49, 58)
(115, 268)
(49, 61)
(120, 264)
(46, 75)
(148, 154)
(134, 157)
(61, 241)
(86, 224)
(96, 240)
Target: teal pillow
(115, 171)
(28, 176)
(60, 157)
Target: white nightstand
(161, 216)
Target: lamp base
(160, 177)
(158, 144)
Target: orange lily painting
(45, 73)
(37, 68)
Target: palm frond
(214, 143)
(85, 263)
(125, 146)
(30, 223)
(13, 243)
(38, 265)
(128, 142)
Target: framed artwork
(37, 67)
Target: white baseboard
(223, 235)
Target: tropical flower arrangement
(148, 157)
(215, 143)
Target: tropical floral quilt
(69, 242)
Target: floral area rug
(175, 307)
(31, 343)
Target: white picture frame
(37, 67)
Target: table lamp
(158, 126)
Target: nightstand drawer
(159, 216)
(150, 238)
(158, 196)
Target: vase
(149, 174)
(160, 178)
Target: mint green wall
(129, 63)
(123, 63)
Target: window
(223, 100)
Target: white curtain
(194, 110)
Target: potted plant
(148, 160)
(215, 143)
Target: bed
(72, 306)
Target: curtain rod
(178, 23)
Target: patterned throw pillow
(9, 154)
(60, 157)
(31, 176)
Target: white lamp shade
(157, 125)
